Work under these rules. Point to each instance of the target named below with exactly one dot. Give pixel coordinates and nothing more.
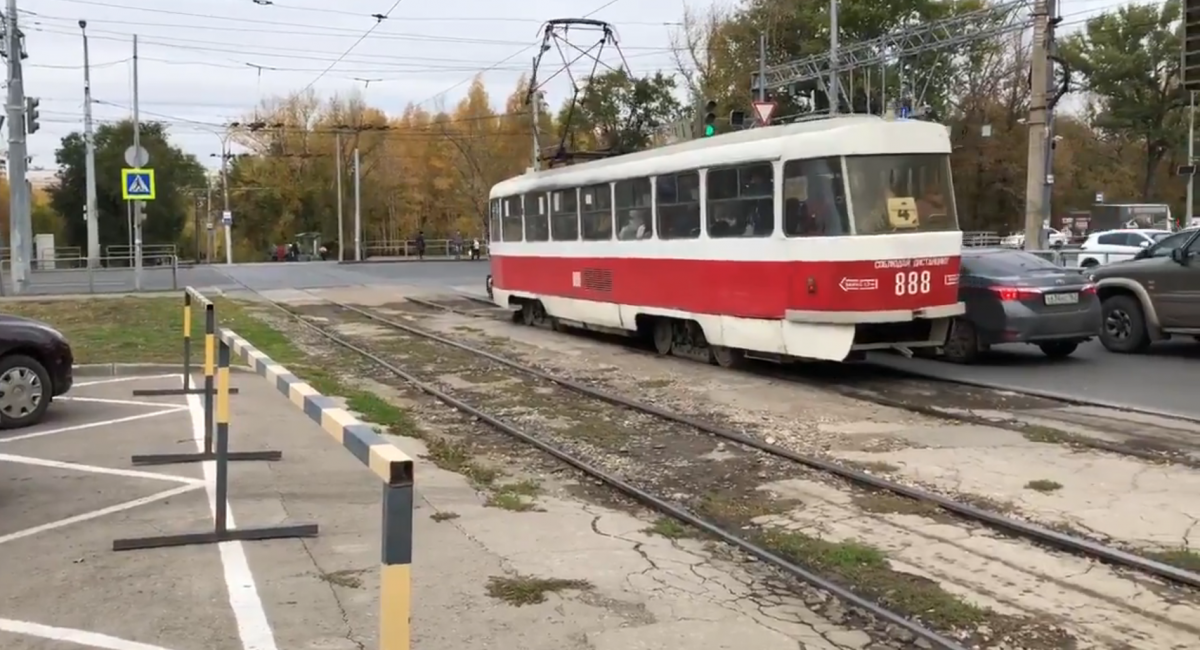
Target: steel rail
(1012, 526)
(930, 411)
(630, 490)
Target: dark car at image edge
(35, 367)
(1015, 297)
(1153, 297)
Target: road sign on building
(137, 184)
(764, 111)
(227, 218)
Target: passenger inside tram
(636, 227)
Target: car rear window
(1005, 263)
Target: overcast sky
(203, 63)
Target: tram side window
(633, 209)
(595, 212)
(741, 201)
(814, 198)
(494, 220)
(678, 205)
(511, 220)
(537, 226)
(564, 215)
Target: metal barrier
(191, 296)
(127, 253)
(434, 248)
(393, 467)
(73, 275)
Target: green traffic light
(709, 130)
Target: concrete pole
(225, 191)
(1191, 182)
(17, 155)
(89, 134)
(357, 208)
(337, 165)
(834, 89)
(138, 206)
(1036, 175)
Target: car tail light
(1089, 290)
(1015, 294)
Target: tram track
(1044, 428)
(648, 498)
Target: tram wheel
(529, 313)
(728, 357)
(664, 336)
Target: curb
(134, 369)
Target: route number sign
(912, 283)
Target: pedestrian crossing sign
(137, 184)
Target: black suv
(1152, 297)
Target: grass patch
(669, 528)
(889, 503)
(1179, 557)
(517, 497)
(525, 590)
(1048, 435)
(443, 516)
(347, 578)
(867, 568)
(1043, 485)
(117, 330)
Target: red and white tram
(811, 240)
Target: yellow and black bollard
(221, 531)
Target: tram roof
(836, 136)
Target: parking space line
(254, 628)
(95, 469)
(119, 402)
(78, 637)
(89, 425)
(128, 505)
(113, 380)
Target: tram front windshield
(895, 194)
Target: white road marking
(89, 425)
(128, 505)
(78, 637)
(121, 402)
(95, 469)
(254, 628)
(113, 380)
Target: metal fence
(407, 248)
(73, 275)
(1068, 256)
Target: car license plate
(1062, 298)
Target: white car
(1117, 245)
(1054, 238)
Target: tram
(815, 240)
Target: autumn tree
(622, 112)
(1129, 61)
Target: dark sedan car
(1016, 297)
(35, 367)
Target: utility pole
(209, 228)
(762, 67)
(19, 218)
(225, 191)
(1191, 148)
(834, 89)
(138, 206)
(337, 166)
(1051, 90)
(1036, 177)
(357, 208)
(535, 111)
(89, 136)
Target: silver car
(1016, 297)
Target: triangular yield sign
(764, 110)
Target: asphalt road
(1163, 379)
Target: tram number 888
(912, 283)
